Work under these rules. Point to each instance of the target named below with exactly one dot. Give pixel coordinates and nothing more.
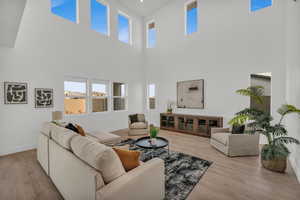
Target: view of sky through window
(151, 37)
(123, 28)
(99, 17)
(75, 88)
(99, 89)
(65, 8)
(192, 21)
(260, 4)
(151, 90)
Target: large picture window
(119, 96)
(100, 16)
(191, 17)
(75, 101)
(100, 96)
(65, 8)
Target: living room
(47, 48)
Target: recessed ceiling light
(142, 1)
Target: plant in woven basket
(274, 154)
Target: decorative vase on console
(170, 105)
(153, 134)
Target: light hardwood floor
(241, 178)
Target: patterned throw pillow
(133, 118)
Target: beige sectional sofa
(84, 169)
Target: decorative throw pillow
(133, 118)
(72, 128)
(80, 130)
(238, 129)
(130, 159)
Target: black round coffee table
(145, 143)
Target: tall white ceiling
(146, 8)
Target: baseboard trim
(295, 167)
(17, 150)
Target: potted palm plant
(274, 154)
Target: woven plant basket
(277, 165)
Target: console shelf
(190, 124)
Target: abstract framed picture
(15, 93)
(43, 98)
(190, 94)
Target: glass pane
(151, 37)
(100, 105)
(192, 21)
(123, 28)
(151, 90)
(99, 19)
(75, 105)
(260, 4)
(119, 104)
(73, 88)
(65, 8)
(119, 89)
(152, 103)
(99, 90)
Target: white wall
(49, 48)
(231, 44)
(293, 80)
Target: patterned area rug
(182, 171)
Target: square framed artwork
(43, 98)
(15, 93)
(190, 94)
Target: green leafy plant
(153, 131)
(260, 122)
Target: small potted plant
(153, 134)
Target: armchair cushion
(138, 125)
(141, 117)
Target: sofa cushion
(104, 138)
(130, 159)
(98, 156)
(138, 125)
(221, 137)
(141, 118)
(62, 136)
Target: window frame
(148, 96)
(108, 16)
(108, 97)
(86, 97)
(147, 33)
(124, 97)
(254, 11)
(76, 15)
(129, 28)
(186, 4)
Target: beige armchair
(138, 128)
(234, 144)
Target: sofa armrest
(243, 144)
(220, 130)
(145, 182)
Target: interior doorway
(262, 79)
